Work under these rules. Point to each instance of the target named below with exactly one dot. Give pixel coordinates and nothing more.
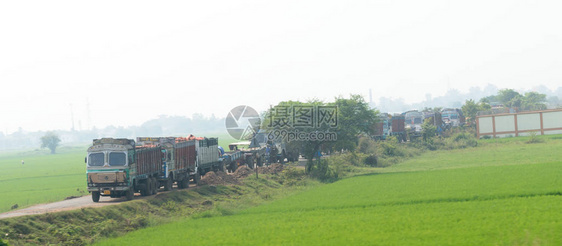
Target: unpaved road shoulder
(71, 204)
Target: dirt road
(83, 202)
(71, 204)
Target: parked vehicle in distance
(398, 128)
(452, 117)
(250, 155)
(435, 119)
(382, 127)
(413, 121)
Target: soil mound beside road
(218, 178)
(271, 169)
(242, 172)
(221, 178)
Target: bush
(391, 149)
(290, 176)
(367, 145)
(533, 138)
(2, 243)
(371, 160)
(460, 140)
(323, 172)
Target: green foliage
(457, 140)
(51, 141)
(354, 117)
(429, 131)
(371, 160)
(470, 109)
(533, 101)
(366, 145)
(2, 243)
(509, 97)
(390, 149)
(533, 138)
(291, 176)
(323, 171)
(512, 99)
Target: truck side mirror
(86, 159)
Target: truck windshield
(417, 121)
(117, 159)
(96, 159)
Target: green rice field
(42, 178)
(501, 193)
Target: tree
(530, 101)
(509, 97)
(470, 108)
(347, 118)
(354, 117)
(533, 101)
(428, 131)
(280, 124)
(51, 141)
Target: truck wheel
(197, 178)
(233, 166)
(149, 188)
(155, 185)
(129, 194)
(95, 196)
(181, 183)
(168, 185)
(145, 188)
(221, 167)
(250, 162)
(143, 191)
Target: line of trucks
(119, 167)
(409, 124)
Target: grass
(505, 222)
(501, 193)
(490, 152)
(43, 178)
(86, 225)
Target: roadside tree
(344, 118)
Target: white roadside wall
(520, 124)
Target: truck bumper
(101, 189)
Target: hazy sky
(130, 61)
